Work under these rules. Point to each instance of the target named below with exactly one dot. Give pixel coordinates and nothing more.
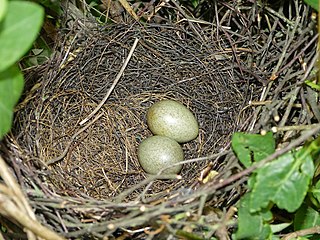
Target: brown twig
(303, 232)
(129, 9)
(113, 84)
(18, 208)
(65, 151)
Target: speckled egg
(172, 119)
(158, 152)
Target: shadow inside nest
(168, 63)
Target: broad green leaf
(3, 8)
(11, 86)
(306, 217)
(251, 148)
(312, 3)
(284, 181)
(252, 225)
(18, 30)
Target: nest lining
(167, 64)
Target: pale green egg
(172, 119)
(158, 152)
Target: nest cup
(101, 161)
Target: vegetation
(21, 22)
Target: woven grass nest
(85, 181)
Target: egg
(158, 152)
(172, 119)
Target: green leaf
(18, 30)
(312, 3)
(188, 235)
(315, 191)
(3, 8)
(11, 86)
(252, 225)
(312, 85)
(279, 227)
(54, 5)
(251, 148)
(284, 181)
(306, 217)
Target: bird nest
(74, 143)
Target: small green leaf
(252, 225)
(251, 148)
(312, 3)
(306, 217)
(284, 181)
(313, 85)
(279, 227)
(315, 191)
(3, 8)
(11, 86)
(188, 235)
(195, 3)
(18, 30)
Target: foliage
(20, 24)
(313, 3)
(313, 85)
(252, 147)
(280, 184)
(306, 217)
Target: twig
(311, 42)
(187, 18)
(222, 232)
(212, 156)
(215, 186)
(129, 9)
(19, 199)
(19, 209)
(309, 68)
(113, 84)
(183, 162)
(54, 160)
(303, 232)
(292, 128)
(284, 51)
(312, 99)
(293, 98)
(8, 208)
(277, 14)
(152, 178)
(271, 157)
